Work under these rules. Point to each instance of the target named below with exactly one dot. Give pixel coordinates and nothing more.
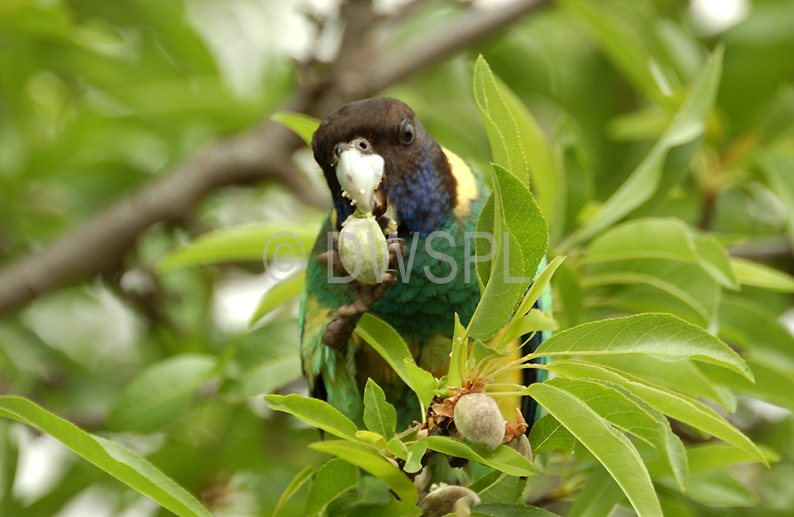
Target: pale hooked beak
(359, 171)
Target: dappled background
(130, 129)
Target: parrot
(377, 157)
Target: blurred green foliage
(97, 98)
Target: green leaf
(379, 416)
(390, 345)
(683, 376)
(633, 416)
(517, 142)
(277, 295)
(302, 124)
(688, 124)
(458, 354)
(485, 481)
(521, 237)
(372, 438)
(387, 342)
(160, 393)
(548, 434)
(503, 458)
(683, 288)
(660, 335)
(662, 253)
(496, 509)
(568, 304)
(127, 467)
(422, 383)
(265, 377)
(334, 479)
(774, 384)
(9, 463)
(753, 328)
(538, 285)
(612, 449)
(645, 123)
(675, 405)
(758, 275)
(371, 491)
(621, 40)
(398, 448)
(416, 452)
(497, 486)
(779, 171)
(369, 459)
(710, 456)
(662, 238)
(315, 412)
(714, 259)
(598, 496)
(486, 223)
(533, 321)
(576, 171)
(243, 243)
(393, 508)
(300, 479)
(261, 361)
(719, 488)
(480, 352)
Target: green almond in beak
(359, 171)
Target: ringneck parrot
(377, 157)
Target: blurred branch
(764, 249)
(262, 153)
(462, 32)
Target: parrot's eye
(406, 132)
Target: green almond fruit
(479, 420)
(448, 499)
(363, 249)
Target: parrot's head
(377, 157)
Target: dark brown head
(376, 155)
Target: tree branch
(258, 154)
(465, 31)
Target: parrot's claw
(384, 221)
(332, 256)
(345, 318)
(396, 246)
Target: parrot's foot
(338, 331)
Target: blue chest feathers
(423, 203)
